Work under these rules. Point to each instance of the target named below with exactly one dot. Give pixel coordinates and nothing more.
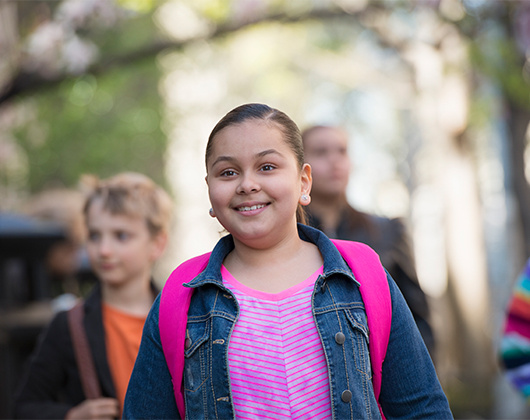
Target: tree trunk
(518, 125)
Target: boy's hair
(132, 194)
(262, 112)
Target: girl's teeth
(251, 208)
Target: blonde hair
(132, 194)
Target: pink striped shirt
(277, 365)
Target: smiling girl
(276, 327)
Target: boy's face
(120, 247)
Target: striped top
(277, 365)
(515, 341)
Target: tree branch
(25, 83)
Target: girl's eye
(267, 167)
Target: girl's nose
(247, 185)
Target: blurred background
(434, 94)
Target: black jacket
(52, 386)
(389, 238)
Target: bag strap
(83, 355)
(173, 320)
(366, 267)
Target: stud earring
(305, 198)
(212, 214)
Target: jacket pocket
(359, 340)
(197, 353)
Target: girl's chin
(251, 235)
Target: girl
(276, 325)
(127, 218)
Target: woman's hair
(272, 117)
(132, 194)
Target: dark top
(389, 238)
(51, 385)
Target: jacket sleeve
(42, 389)
(410, 387)
(150, 392)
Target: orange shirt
(123, 333)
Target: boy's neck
(134, 297)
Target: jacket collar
(333, 261)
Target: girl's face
(120, 247)
(255, 183)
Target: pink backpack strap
(173, 320)
(367, 269)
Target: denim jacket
(410, 387)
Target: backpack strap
(366, 267)
(173, 320)
(83, 355)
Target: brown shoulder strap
(83, 356)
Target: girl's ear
(211, 212)
(306, 183)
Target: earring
(305, 198)
(212, 214)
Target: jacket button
(340, 338)
(346, 396)
(187, 343)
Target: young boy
(127, 218)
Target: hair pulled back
(268, 115)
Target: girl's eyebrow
(223, 159)
(268, 152)
(232, 159)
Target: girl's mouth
(243, 209)
(250, 208)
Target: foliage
(92, 122)
(96, 125)
(498, 48)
